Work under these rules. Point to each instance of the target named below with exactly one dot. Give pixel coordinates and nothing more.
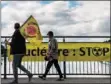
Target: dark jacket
(18, 43)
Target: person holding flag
(18, 50)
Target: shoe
(14, 82)
(30, 77)
(60, 79)
(42, 77)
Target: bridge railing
(67, 67)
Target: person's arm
(7, 42)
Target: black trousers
(50, 63)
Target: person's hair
(17, 26)
(50, 33)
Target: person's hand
(46, 57)
(25, 37)
(48, 54)
(7, 42)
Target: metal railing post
(64, 63)
(5, 61)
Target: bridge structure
(75, 72)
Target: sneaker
(14, 82)
(60, 79)
(30, 77)
(42, 77)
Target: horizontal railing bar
(70, 42)
(66, 74)
(68, 36)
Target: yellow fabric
(31, 31)
(69, 52)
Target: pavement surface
(66, 81)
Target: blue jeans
(17, 59)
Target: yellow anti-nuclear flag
(31, 31)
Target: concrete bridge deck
(66, 81)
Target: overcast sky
(68, 18)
